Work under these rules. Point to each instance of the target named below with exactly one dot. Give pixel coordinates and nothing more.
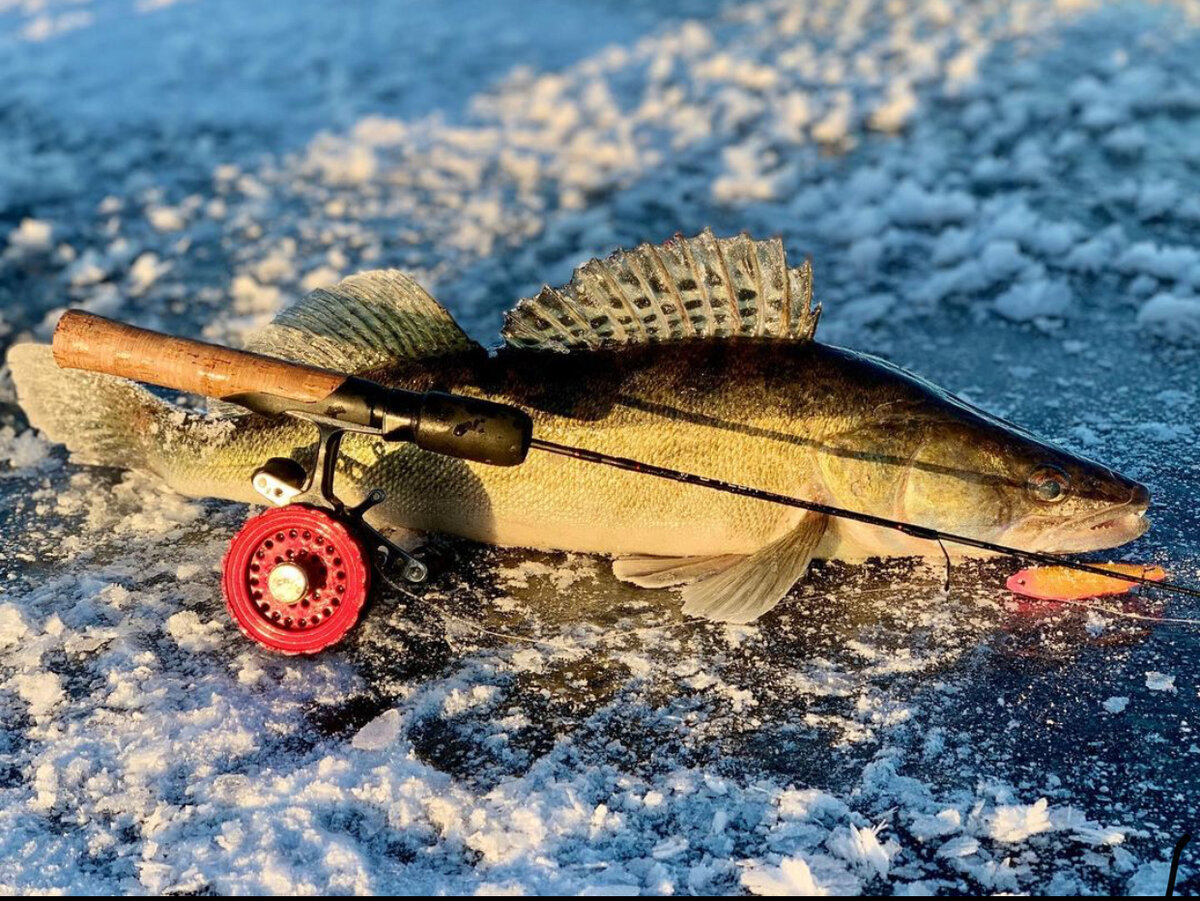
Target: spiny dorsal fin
(687, 288)
(367, 321)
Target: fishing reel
(297, 578)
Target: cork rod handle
(86, 341)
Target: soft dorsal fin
(687, 288)
(367, 321)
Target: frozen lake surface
(1003, 197)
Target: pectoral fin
(743, 592)
(663, 572)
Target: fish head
(984, 478)
(934, 460)
(1070, 504)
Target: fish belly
(855, 542)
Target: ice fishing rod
(910, 529)
(470, 428)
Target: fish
(698, 354)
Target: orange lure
(1058, 583)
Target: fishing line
(914, 531)
(483, 630)
(946, 554)
(1124, 614)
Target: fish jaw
(1106, 530)
(857, 543)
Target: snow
(794, 877)
(910, 204)
(1164, 262)
(960, 846)
(944, 822)
(999, 196)
(145, 271)
(193, 634)
(1156, 681)
(1174, 318)
(900, 104)
(23, 450)
(1029, 300)
(12, 625)
(1017, 822)
(31, 235)
(41, 691)
(863, 849)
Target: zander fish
(698, 355)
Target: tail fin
(103, 420)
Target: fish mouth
(1106, 529)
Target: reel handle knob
(471, 428)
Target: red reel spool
(295, 579)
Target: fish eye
(1049, 484)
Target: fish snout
(1139, 497)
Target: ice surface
(998, 195)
